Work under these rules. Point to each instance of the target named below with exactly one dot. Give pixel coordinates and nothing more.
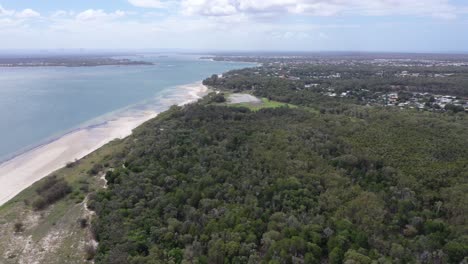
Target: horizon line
(204, 51)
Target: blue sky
(305, 25)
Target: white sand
(22, 171)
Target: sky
(237, 25)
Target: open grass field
(265, 103)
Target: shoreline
(24, 169)
(46, 142)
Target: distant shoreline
(22, 170)
(12, 62)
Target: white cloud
(12, 19)
(291, 35)
(435, 8)
(98, 14)
(62, 14)
(257, 24)
(5, 12)
(148, 3)
(28, 13)
(209, 7)
(59, 13)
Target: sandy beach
(22, 171)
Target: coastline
(21, 171)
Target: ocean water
(38, 104)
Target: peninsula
(67, 61)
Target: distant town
(432, 83)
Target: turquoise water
(37, 104)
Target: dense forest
(328, 181)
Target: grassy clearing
(253, 106)
(264, 104)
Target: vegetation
(266, 103)
(363, 84)
(219, 98)
(50, 191)
(346, 183)
(52, 235)
(301, 178)
(19, 227)
(83, 222)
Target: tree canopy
(329, 181)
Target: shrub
(59, 190)
(47, 184)
(336, 256)
(346, 161)
(84, 187)
(83, 222)
(39, 203)
(353, 256)
(219, 98)
(19, 227)
(95, 169)
(454, 108)
(50, 191)
(456, 251)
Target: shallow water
(38, 104)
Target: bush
(50, 191)
(47, 184)
(456, 251)
(59, 190)
(84, 187)
(95, 169)
(336, 256)
(39, 204)
(353, 256)
(346, 161)
(83, 222)
(19, 227)
(454, 108)
(219, 98)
